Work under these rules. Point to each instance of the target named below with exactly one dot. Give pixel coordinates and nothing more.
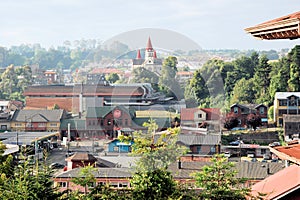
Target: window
(261, 110)
(101, 122)
(41, 124)
(18, 124)
(283, 102)
(53, 124)
(199, 115)
(213, 149)
(126, 122)
(108, 122)
(263, 151)
(199, 149)
(62, 184)
(3, 127)
(116, 148)
(235, 109)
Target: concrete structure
(291, 127)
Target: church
(150, 60)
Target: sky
(212, 24)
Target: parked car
(56, 165)
(236, 143)
(274, 144)
(238, 128)
(227, 154)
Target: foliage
(28, 182)
(86, 177)
(167, 81)
(156, 184)
(151, 180)
(253, 120)
(112, 78)
(271, 113)
(231, 122)
(218, 180)
(142, 75)
(243, 91)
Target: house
(150, 61)
(37, 120)
(200, 118)
(200, 144)
(80, 159)
(184, 76)
(284, 184)
(102, 121)
(119, 147)
(285, 103)
(291, 127)
(120, 177)
(241, 112)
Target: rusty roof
(279, 184)
(291, 152)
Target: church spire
(138, 55)
(149, 44)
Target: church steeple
(138, 55)
(149, 44)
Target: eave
(286, 29)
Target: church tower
(150, 61)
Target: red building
(241, 112)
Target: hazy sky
(212, 24)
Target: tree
(243, 91)
(262, 80)
(113, 77)
(86, 177)
(231, 122)
(142, 75)
(253, 120)
(294, 57)
(198, 89)
(218, 180)
(167, 81)
(151, 180)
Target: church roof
(138, 55)
(149, 45)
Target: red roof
(149, 45)
(291, 152)
(295, 15)
(188, 113)
(279, 184)
(138, 55)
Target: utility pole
(68, 140)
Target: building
(284, 184)
(37, 120)
(119, 147)
(286, 27)
(80, 159)
(77, 98)
(150, 60)
(285, 103)
(201, 118)
(241, 112)
(291, 127)
(119, 177)
(183, 77)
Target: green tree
(218, 180)
(142, 75)
(294, 57)
(244, 91)
(86, 177)
(167, 81)
(151, 180)
(198, 89)
(262, 80)
(113, 77)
